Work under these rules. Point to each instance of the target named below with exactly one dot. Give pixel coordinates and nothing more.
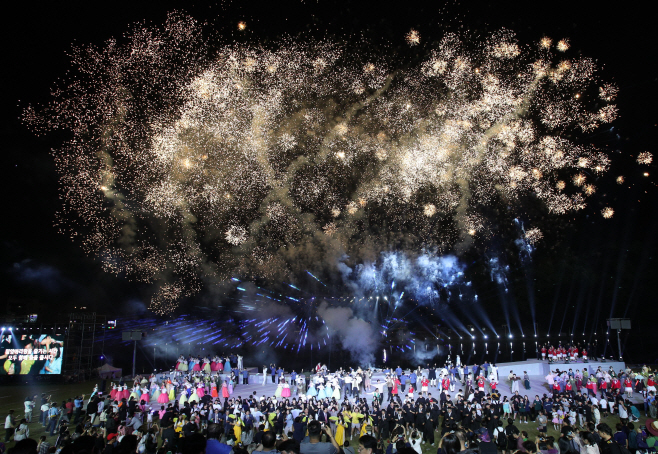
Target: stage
(537, 370)
(542, 368)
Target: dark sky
(597, 262)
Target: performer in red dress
(556, 387)
(445, 384)
(590, 388)
(628, 387)
(603, 385)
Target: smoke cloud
(356, 335)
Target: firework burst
(260, 160)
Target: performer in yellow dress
(366, 425)
(237, 429)
(340, 431)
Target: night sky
(585, 270)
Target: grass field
(13, 396)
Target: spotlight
(535, 335)
(486, 337)
(510, 336)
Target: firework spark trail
(184, 169)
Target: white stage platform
(542, 368)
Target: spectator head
(129, 443)
(290, 446)
(604, 431)
(194, 444)
(367, 445)
(268, 440)
(314, 429)
(588, 438)
(529, 446)
(214, 431)
(450, 444)
(26, 446)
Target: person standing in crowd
(10, 425)
(53, 418)
(29, 407)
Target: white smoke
(356, 335)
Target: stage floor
(537, 370)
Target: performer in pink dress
(163, 398)
(224, 390)
(285, 392)
(199, 390)
(145, 395)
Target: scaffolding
(84, 330)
